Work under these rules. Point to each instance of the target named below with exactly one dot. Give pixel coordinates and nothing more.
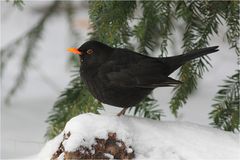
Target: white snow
(50, 147)
(61, 156)
(129, 150)
(109, 155)
(149, 139)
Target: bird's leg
(122, 112)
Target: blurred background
(23, 120)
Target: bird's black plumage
(122, 78)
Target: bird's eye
(90, 51)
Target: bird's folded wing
(125, 80)
(137, 76)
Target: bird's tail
(176, 61)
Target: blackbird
(121, 77)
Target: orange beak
(74, 50)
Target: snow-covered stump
(112, 137)
(110, 148)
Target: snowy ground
(149, 139)
(22, 123)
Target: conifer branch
(232, 19)
(165, 16)
(31, 38)
(201, 24)
(146, 30)
(18, 3)
(155, 25)
(112, 29)
(8, 52)
(225, 114)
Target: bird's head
(92, 52)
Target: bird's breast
(94, 84)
